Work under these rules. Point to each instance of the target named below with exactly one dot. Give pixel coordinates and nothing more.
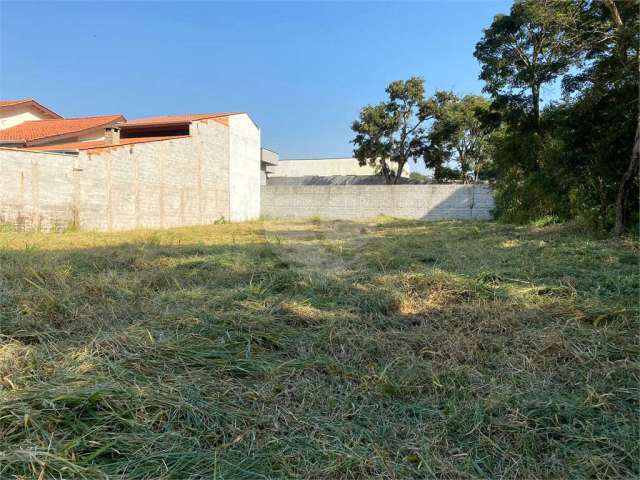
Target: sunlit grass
(395, 349)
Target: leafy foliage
(577, 158)
(391, 133)
(574, 159)
(418, 177)
(522, 51)
(458, 135)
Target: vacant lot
(319, 350)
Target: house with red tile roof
(14, 112)
(58, 130)
(45, 130)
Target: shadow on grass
(418, 357)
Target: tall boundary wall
(165, 183)
(213, 174)
(189, 181)
(37, 189)
(161, 184)
(357, 202)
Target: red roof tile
(41, 129)
(13, 103)
(100, 144)
(10, 103)
(173, 119)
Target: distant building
(325, 167)
(28, 124)
(269, 161)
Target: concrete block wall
(36, 189)
(355, 202)
(190, 181)
(167, 183)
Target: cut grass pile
(393, 349)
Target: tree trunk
(619, 227)
(535, 94)
(617, 20)
(622, 189)
(463, 165)
(385, 171)
(399, 172)
(621, 43)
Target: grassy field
(389, 349)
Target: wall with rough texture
(244, 169)
(36, 189)
(159, 184)
(354, 202)
(189, 181)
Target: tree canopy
(574, 158)
(458, 135)
(391, 133)
(522, 51)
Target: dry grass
(319, 350)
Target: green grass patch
(400, 349)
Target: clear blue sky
(301, 70)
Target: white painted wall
(11, 116)
(325, 167)
(244, 168)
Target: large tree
(576, 158)
(391, 133)
(605, 92)
(458, 134)
(524, 50)
(616, 44)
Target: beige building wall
(11, 116)
(325, 167)
(91, 135)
